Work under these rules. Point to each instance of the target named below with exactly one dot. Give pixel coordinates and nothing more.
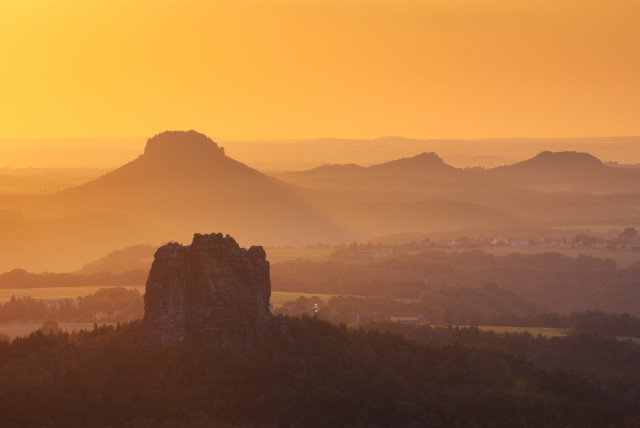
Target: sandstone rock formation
(210, 291)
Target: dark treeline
(526, 284)
(350, 309)
(20, 278)
(107, 304)
(473, 284)
(474, 306)
(119, 304)
(326, 376)
(610, 363)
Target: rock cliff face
(210, 291)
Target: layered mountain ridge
(184, 182)
(582, 169)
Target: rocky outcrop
(176, 145)
(210, 291)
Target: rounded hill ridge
(429, 160)
(564, 159)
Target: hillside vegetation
(109, 377)
(473, 284)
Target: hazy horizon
(306, 153)
(282, 69)
(287, 213)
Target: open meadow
(534, 331)
(275, 255)
(278, 298)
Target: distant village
(627, 239)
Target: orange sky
(306, 68)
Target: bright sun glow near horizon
(292, 69)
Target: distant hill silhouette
(553, 188)
(427, 171)
(274, 155)
(561, 161)
(424, 163)
(568, 171)
(185, 183)
(135, 257)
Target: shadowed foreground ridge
(211, 291)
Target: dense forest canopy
(325, 376)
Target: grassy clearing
(55, 292)
(275, 255)
(534, 331)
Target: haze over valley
(328, 204)
(323, 213)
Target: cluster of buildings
(580, 240)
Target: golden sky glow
(342, 68)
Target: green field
(534, 331)
(55, 292)
(623, 258)
(275, 255)
(279, 298)
(633, 339)
(597, 228)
